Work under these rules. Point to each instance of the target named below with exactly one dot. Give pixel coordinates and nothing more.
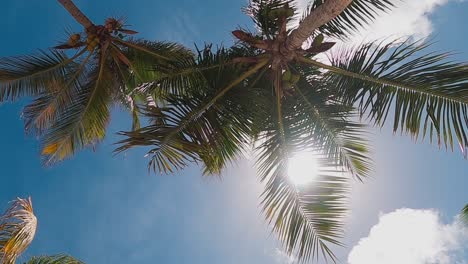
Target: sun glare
(303, 168)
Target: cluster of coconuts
(95, 34)
(289, 79)
(92, 41)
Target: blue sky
(107, 209)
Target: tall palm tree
(74, 84)
(271, 92)
(17, 229)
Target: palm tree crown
(271, 93)
(73, 94)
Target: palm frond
(208, 125)
(17, 229)
(307, 219)
(31, 75)
(42, 112)
(73, 95)
(55, 259)
(233, 116)
(356, 16)
(330, 129)
(84, 121)
(170, 51)
(157, 76)
(428, 93)
(166, 155)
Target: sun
(303, 168)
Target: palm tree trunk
(318, 17)
(76, 13)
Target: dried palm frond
(17, 229)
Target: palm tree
(269, 92)
(75, 84)
(17, 229)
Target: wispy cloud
(282, 257)
(180, 27)
(410, 18)
(409, 236)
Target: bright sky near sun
(102, 208)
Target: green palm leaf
(159, 76)
(33, 74)
(40, 114)
(427, 93)
(55, 259)
(84, 121)
(333, 134)
(208, 125)
(307, 219)
(328, 125)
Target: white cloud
(408, 236)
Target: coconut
(318, 40)
(290, 12)
(287, 75)
(295, 78)
(287, 85)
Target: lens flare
(303, 168)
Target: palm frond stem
(140, 48)
(379, 81)
(61, 64)
(200, 111)
(85, 109)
